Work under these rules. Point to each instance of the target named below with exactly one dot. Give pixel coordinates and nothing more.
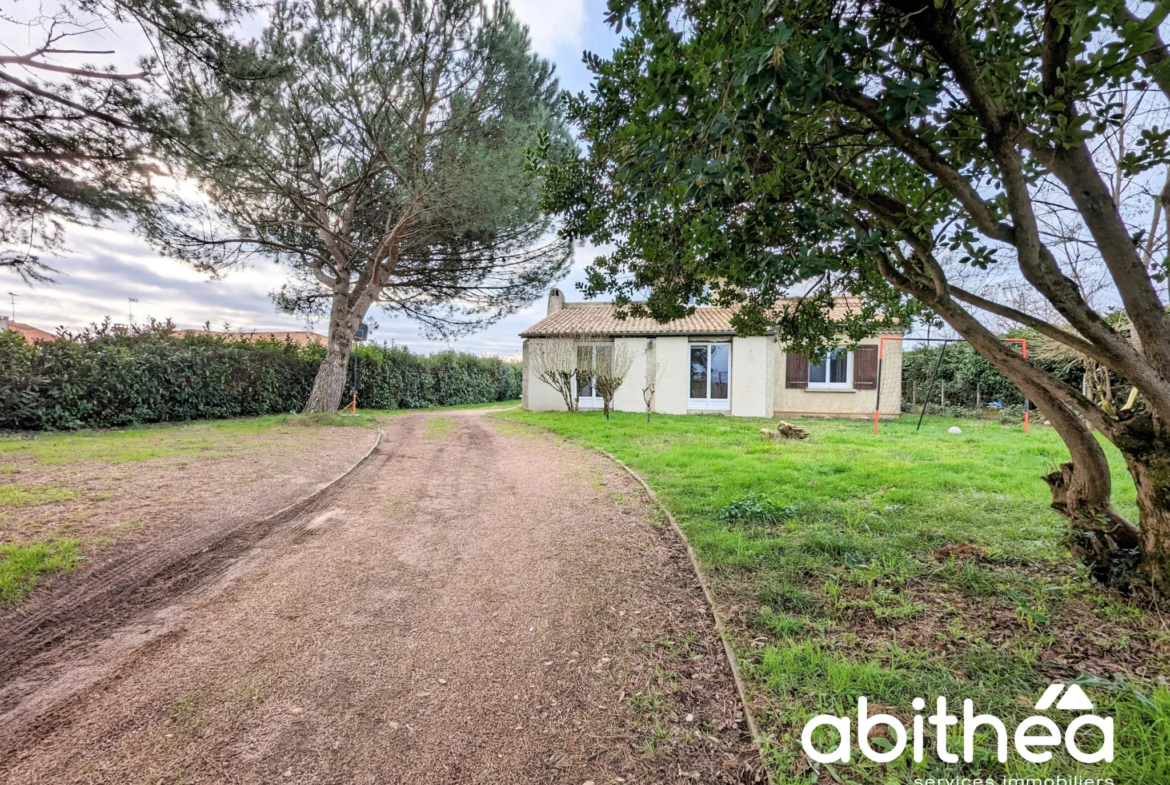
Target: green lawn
(900, 566)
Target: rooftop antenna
(13, 296)
(130, 305)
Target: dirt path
(475, 604)
(198, 514)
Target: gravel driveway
(477, 603)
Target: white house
(698, 365)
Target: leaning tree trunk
(330, 381)
(331, 376)
(1111, 547)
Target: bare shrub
(608, 377)
(554, 362)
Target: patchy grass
(912, 564)
(436, 427)
(63, 493)
(145, 442)
(22, 565)
(323, 419)
(32, 495)
(456, 407)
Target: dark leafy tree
(77, 135)
(386, 166)
(740, 148)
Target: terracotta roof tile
(29, 333)
(599, 319)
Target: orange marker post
(877, 406)
(1024, 350)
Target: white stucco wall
(538, 396)
(674, 363)
(751, 395)
(629, 396)
(757, 381)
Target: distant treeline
(112, 376)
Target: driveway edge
(298, 506)
(720, 626)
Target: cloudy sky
(105, 268)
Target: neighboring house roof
(575, 319)
(29, 333)
(298, 337)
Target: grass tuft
(32, 495)
(23, 564)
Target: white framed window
(709, 385)
(833, 372)
(590, 355)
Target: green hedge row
(110, 376)
(965, 379)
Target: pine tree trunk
(330, 381)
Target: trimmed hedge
(110, 376)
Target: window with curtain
(832, 371)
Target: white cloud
(553, 23)
(108, 266)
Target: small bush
(1011, 415)
(753, 508)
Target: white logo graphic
(1074, 699)
(1030, 737)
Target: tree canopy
(78, 134)
(741, 149)
(384, 165)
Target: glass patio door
(591, 356)
(710, 380)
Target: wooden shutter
(865, 361)
(796, 374)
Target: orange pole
(877, 404)
(353, 405)
(1024, 350)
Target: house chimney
(3, 323)
(556, 301)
